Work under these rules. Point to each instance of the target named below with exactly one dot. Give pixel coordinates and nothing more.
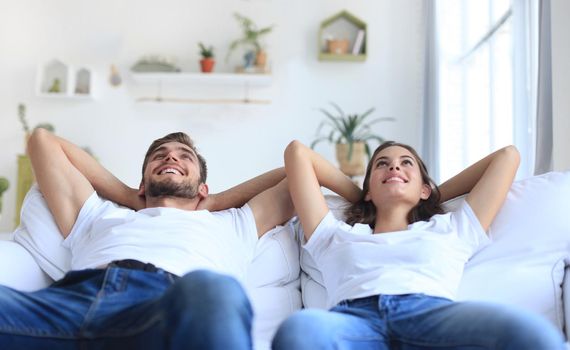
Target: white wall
(238, 141)
(560, 12)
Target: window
(478, 90)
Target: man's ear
(426, 192)
(141, 189)
(203, 190)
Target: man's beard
(169, 188)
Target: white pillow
(273, 280)
(524, 265)
(18, 269)
(39, 234)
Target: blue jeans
(119, 308)
(416, 321)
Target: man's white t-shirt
(178, 241)
(427, 258)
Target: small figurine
(115, 77)
(55, 86)
(249, 59)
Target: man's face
(173, 170)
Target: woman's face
(396, 178)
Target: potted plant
(25, 125)
(351, 134)
(255, 55)
(4, 185)
(207, 62)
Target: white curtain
(544, 131)
(430, 120)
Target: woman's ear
(426, 192)
(367, 198)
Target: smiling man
(167, 275)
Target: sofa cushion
(272, 281)
(39, 234)
(531, 240)
(524, 266)
(18, 269)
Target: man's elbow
(39, 138)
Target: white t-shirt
(178, 241)
(427, 258)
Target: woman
(394, 267)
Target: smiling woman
(399, 259)
(364, 211)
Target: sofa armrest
(19, 270)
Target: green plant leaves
(251, 34)
(349, 128)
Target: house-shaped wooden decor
(58, 79)
(83, 82)
(54, 78)
(342, 37)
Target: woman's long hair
(364, 212)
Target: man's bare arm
(272, 207)
(237, 196)
(67, 176)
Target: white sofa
(525, 266)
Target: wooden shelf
(336, 57)
(235, 79)
(227, 81)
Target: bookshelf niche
(342, 37)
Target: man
(165, 276)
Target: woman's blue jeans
(416, 321)
(119, 308)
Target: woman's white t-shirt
(427, 258)
(178, 241)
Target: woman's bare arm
(487, 183)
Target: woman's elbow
(513, 154)
(294, 149)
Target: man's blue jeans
(118, 308)
(416, 321)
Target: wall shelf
(242, 81)
(56, 79)
(343, 37)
